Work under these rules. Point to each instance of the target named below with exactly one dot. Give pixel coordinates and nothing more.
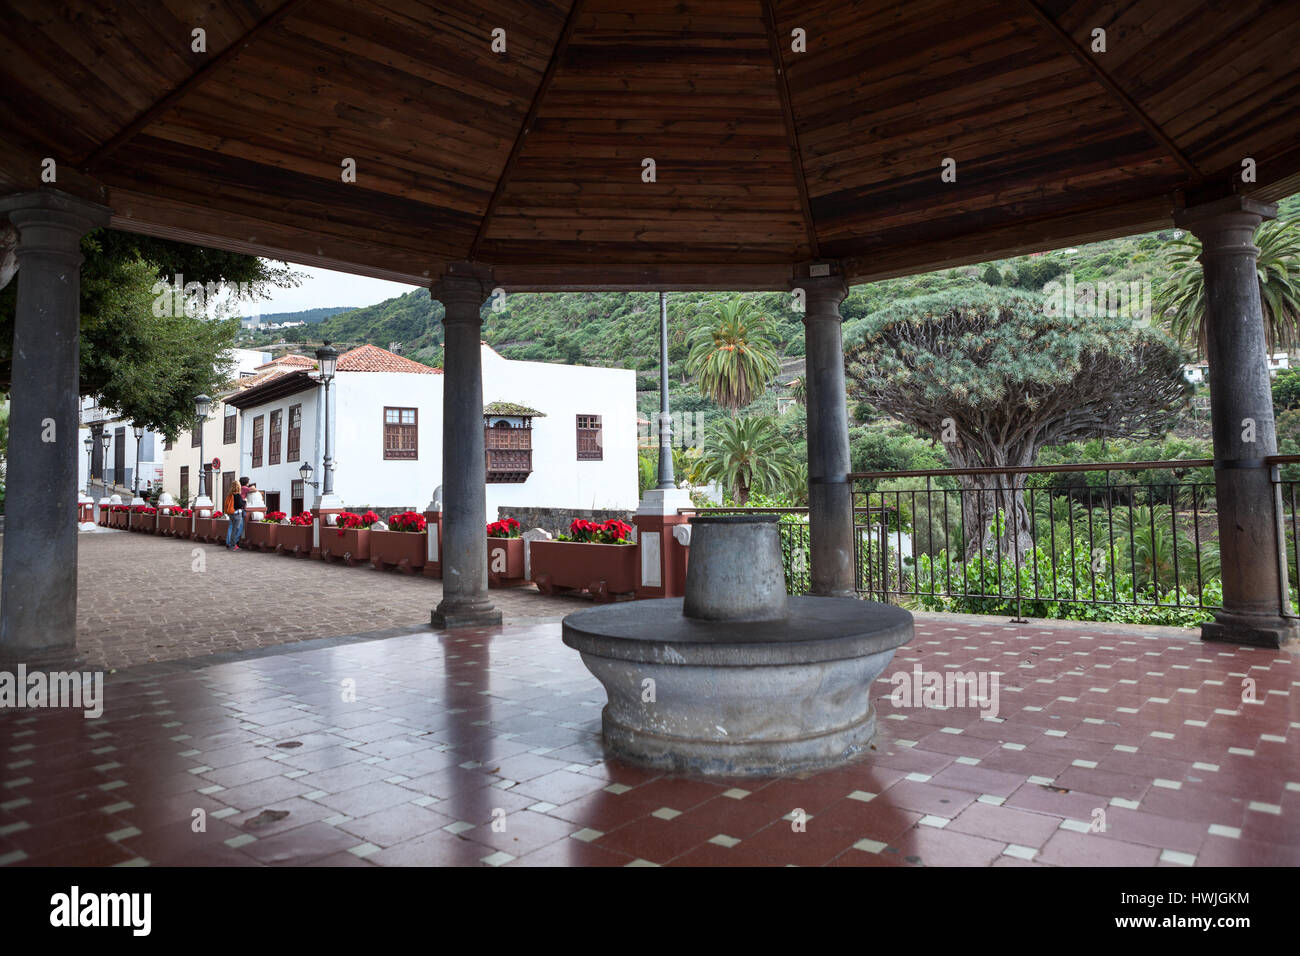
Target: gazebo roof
(531, 160)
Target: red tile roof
(371, 358)
(296, 361)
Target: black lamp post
(202, 406)
(135, 474)
(90, 446)
(329, 360)
(106, 438)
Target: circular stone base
(739, 699)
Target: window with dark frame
(195, 433)
(258, 424)
(273, 449)
(228, 429)
(294, 451)
(185, 482)
(401, 433)
(296, 488)
(509, 451)
(591, 441)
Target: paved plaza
(142, 599)
(482, 748)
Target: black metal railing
(1123, 541)
(1139, 539)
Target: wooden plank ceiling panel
(532, 160)
(690, 85)
(410, 90)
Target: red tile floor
(483, 748)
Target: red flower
(303, 519)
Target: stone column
(462, 290)
(830, 498)
(1251, 538)
(38, 594)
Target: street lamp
(305, 472)
(90, 445)
(202, 406)
(106, 438)
(135, 475)
(329, 360)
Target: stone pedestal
(663, 556)
(1252, 541)
(324, 517)
(433, 542)
(737, 679)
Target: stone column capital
(1225, 226)
(823, 288)
(52, 221)
(462, 289)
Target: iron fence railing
(1052, 540)
(1120, 541)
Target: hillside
(620, 329)
(310, 316)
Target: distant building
(120, 467)
(556, 436)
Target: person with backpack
(234, 507)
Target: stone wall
(556, 520)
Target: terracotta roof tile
(296, 361)
(371, 358)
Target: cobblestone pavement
(142, 599)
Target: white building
(558, 436)
(180, 463)
(1197, 373)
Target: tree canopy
(149, 367)
(994, 377)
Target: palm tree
(745, 455)
(732, 359)
(1278, 270)
(799, 390)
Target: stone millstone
(738, 697)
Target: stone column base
(475, 613)
(1254, 630)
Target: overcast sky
(322, 288)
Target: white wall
(562, 392)
(279, 478)
(363, 477)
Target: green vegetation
(732, 359)
(148, 367)
(994, 377)
(1278, 266)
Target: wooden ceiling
(531, 160)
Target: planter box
(404, 550)
(294, 539)
(265, 535)
(210, 529)
(117, 519)
(505, 562)
(352, 547)
(605, 570)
